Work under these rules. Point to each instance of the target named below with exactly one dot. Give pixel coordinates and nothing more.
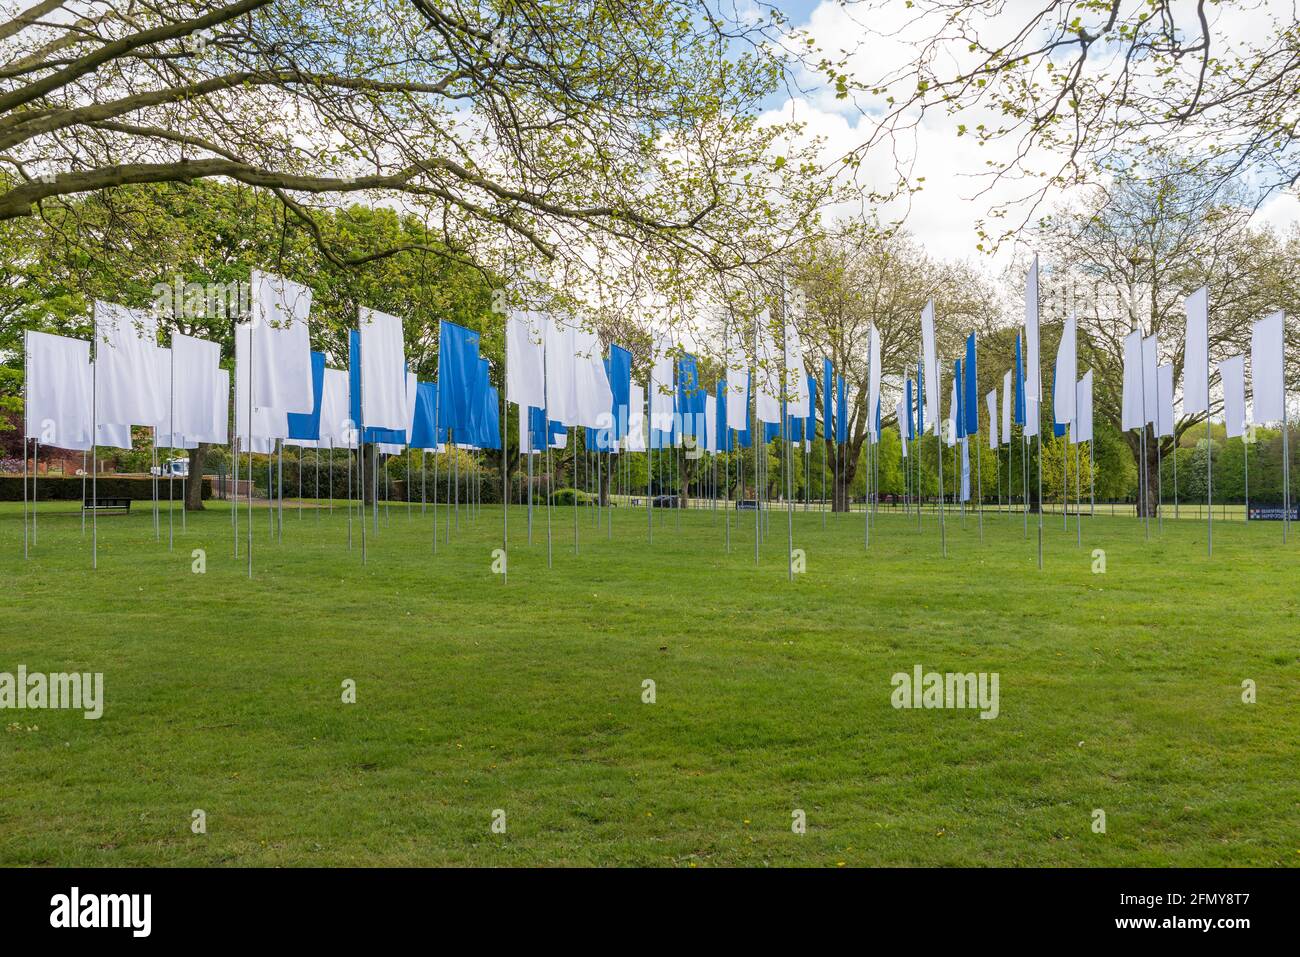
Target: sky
(944, 214)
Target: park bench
(105, 504)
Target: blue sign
(1272, 513)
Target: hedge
(68, 489)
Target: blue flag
(810, 423)
(842, 412)
(306, 425)
(457, 375)
(690, 397)
(911, 420)
(424, 433)
(720, 419)
(828, 399)
(619, 369)
(1058, 428)
(958, 414)
(1019, 414)
(971, 402)
(920, 401)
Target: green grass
(1119, 691)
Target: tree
(867, 275)
(1128, 255)
(155, 246)
(541, 128)
(1065, 85)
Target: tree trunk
(194, 486)
(1148, 491)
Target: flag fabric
(1267, 383)
(635, 439)
(953, 419)
(368, 434)
(336, 428)
(828, 399)
(767, 373)
(305, 426)
(810, 420)
(1020, 385)
(931, 374)
(873, 384)
(196, 363)
(907, 399)
(57, 408)
(1083, 409)
(1196, 384)
(164, 437)
(690, 396)
(720, 427)
(258, 428)
(281, 347)
(1165, 400)
(737, 396)
(661, 388)
(593, 399)
(619, 369)
(920, 402)
(424, 429)
(1006, 408)
(1232, 374)
(1131, 414)
(1058, 428)
(795, 387)
(127, 390)
(841, 412)
(457, 375)
(970, 403)
(958, 413)
(1150, 378)
(991, 400)
(1067, 373)
(1033, 373)
(525, 360)
(560, 350)
(383, 371)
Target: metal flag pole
(1078, 506)
(436, 445)
(94, 434)
(171, 438)
(1286, 468)
(866, 475)
(234, 496)
(270, 487)
(26, 413)
(249, 523)
(1024, 477)
(317, 464)
(349, 451)
(153, 481)
(756, 444)
(1092, 484)
(530, 483)
(979, 476)
(505, 487)
(1160, 487)
(1174, 449)
(938, 424)
(573, 441)
(83, 494)
(361, 450)
(1209, 451)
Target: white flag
(873, 390)
(1006, 408)
(1067, 374)
(58, 390)
(636, 424)
(1232, 373)
(1196, 370)
(281, 351)
(737, 393)
(1082, 431)
(383, 371)
(931, 364)
(1033, 379)
(952, 415)
(1150, 380)
(1165, 400)
(768, 373)
(127, 390)
(1131, 416)
(197, 362)
(992, 400)
(1267, 382)
(525, 355)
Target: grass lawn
(1119, 691)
